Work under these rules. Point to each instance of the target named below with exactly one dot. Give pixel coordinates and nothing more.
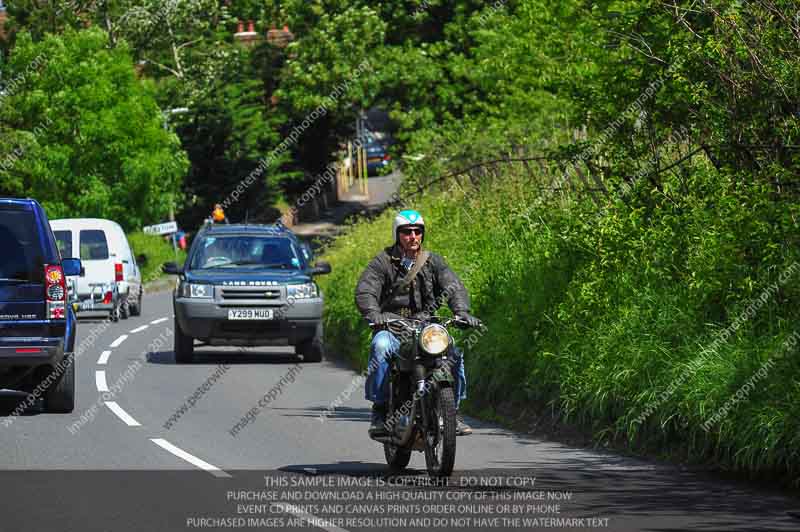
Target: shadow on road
(343, 413)
(9, 400)
(212, 357)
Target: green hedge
(627, 324)
(157, 250)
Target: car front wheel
(184, 345)
(313, 349)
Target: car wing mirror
(171, 268)
(321, 268)
(72, 267)
(141, 259)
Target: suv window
(250, 251)
(93, 245)
(21, 250)
(64, 242)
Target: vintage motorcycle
(421, 411)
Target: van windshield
(93, 245)
(64, 242)
(21, 258)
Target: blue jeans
(386, 345)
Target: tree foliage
(87, 133)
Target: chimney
(249, 37)
(280, 38)
(3, 16)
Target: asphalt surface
(169, 447)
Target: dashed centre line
(183, 455)
(140, 329)
(159, 320)
(104, 357)
(123, 415)
(118, 341)
(100, 380)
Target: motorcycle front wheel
(396, 457)
(440, 434)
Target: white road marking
(104, 357)
(183, 455)
(100, 380)
(140, 329)
(312, 519)
(159, 320)
(119, 340)
(123, 415)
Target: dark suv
(37, 326)
(248, 285)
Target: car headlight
(434, 339)
(302, 291)
(196, 290)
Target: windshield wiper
(253, 263)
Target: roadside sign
(161, 229)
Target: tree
(87, 133)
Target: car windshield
(245, 251)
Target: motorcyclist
(378, 301)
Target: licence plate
(87, 304)
(250, 314)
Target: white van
(111, 280)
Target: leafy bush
(157, 251)
(613, 321)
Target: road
(161, 450)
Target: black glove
(471, 320)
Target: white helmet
(407, 217)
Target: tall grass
(603, 319)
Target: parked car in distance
(378, 157)
(111, 280)
(37, 326)
(248, 285)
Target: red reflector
(107, 298)
(28, 350)
(118, 271)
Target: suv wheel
(124, 309)
(60, 398)
(184, 345)
(314, 349)
(136, 310)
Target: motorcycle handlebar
(461, 324)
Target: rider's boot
(462, 429)
(376, 425)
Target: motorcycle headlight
(302, 291)
(434, 339)
(196, 290)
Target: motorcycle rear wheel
(440, 439)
